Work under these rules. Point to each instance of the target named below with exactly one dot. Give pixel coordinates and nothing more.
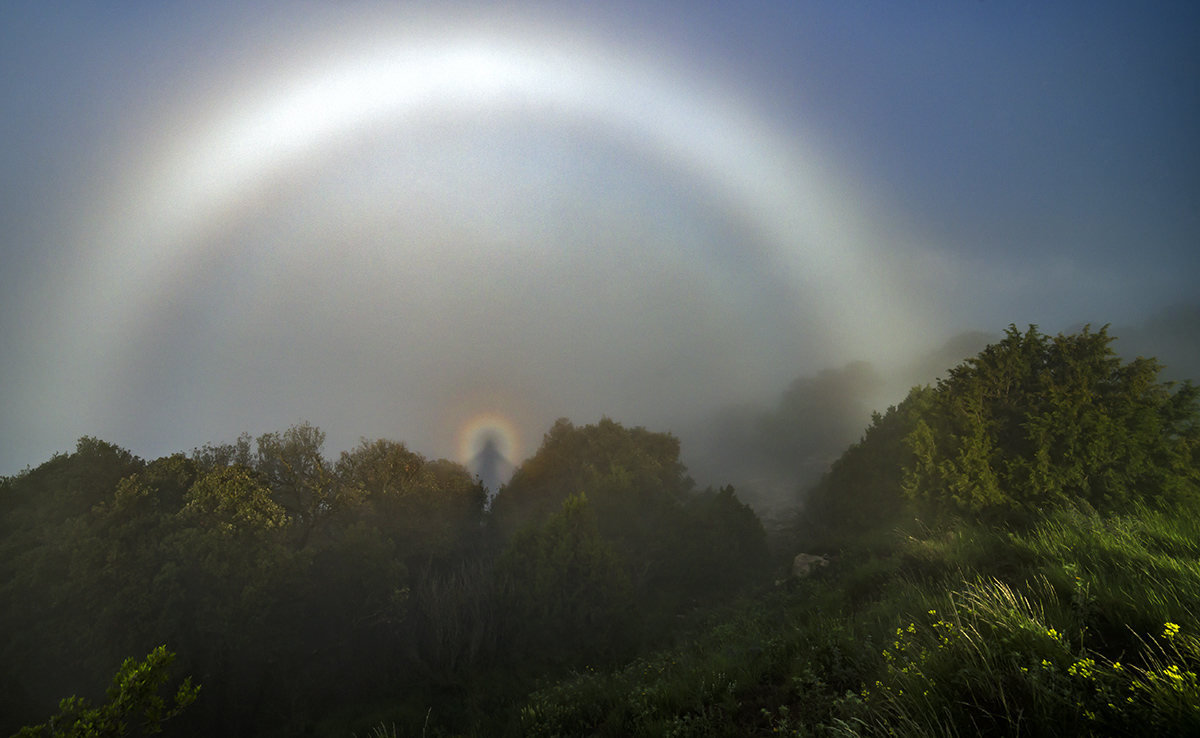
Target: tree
(42, 556)
(232, 499)
(133, 697)
(302, 481)
(427, 508)
(213, 455)
(722, 544)
(1031, 423)
(569, 591)
(1036, 422)
(863, 489)
(570, 458)
(644, 507)
(815, 419)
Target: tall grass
(1081, 625)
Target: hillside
(1013, 552)
(1016, 552)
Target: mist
(735, 225)
(484, 368)
(773, 453)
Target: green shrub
(132, 698)
(571, 599)
(1034, 423)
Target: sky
(444, 223)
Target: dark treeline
(290, 584)
(1013, 551)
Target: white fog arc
(208, 173)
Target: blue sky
(645, 210)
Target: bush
(570, 595)
(133, 696)
(1035, 423)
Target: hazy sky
(412, 220)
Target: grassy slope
(1083, 625)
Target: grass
(1082, 625)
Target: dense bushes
(675, 544)
(1019, 555)
(1035, 422)
(863, 490)
(288, 583)
(571, 598)
(1032, 423)
(133, 703)
(1081, 625)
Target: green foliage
(301, 479)
(41, 554)
(776, 662)
(570, 595)
(280, 575)
(1031, 423)
(675, 544)
(571, 459)
(975, 632)
(721, 544)
(1035, 422)
(66, 486)
(213, 455)
(423, 506)
(296, 584)
(132, 697)
(1022, 661)
(863, 489)
(815, 419)
(232, 499)
(459, 621)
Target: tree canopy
(287, 581)
(290, 582)
(1031, 423)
